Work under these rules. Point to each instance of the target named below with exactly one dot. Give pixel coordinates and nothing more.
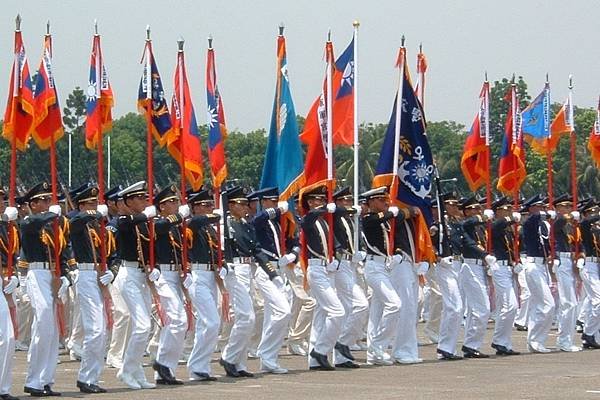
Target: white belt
(242, 260)
(564, 254)
(376, 258)
(587, 259)
(475, 261)
(168, 267)
(86, 266)
(317, 262)
(345, 257)
(202, 267)
(503, 262)
(539, 260)
(132, 265)
(39, 265)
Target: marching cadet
(329, 313)
(432, 296)
(85, 241)
(168, 250)
(349, 292)
(524, 294)
(277, 309)
(385, 302)
(38, 242)
(503, 246)
(473, 276)
(536, 232)
(132, 280)
(9, 284)
(588, 267)
(564, 239)
(204, 259)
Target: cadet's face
(88, 205)
(378, 204)
(137, 203)
(564, 209)
(268, 203)
(316, 202)
(122, 208)
(345, 202)
(469, 212)
(169, 207)
(239, 210)
(203, 208)
(503, 212)
(40, 205)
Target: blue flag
(283, 167)
(535, 120)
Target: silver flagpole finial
(570, 81)
(402, 40)
(547, 78)
(96, 27)
(281, 28)
(48, 28)
(486, 77)
(356, 23)
(148, 32)
(180, 43)
(210, 40)
(18, 23)
(329, 35)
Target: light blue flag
(535, 120)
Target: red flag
(594, 141)
(217, 132)
(19, 114)
(48, 119)
(99, 100)
(474, 162)
(511, 169)
(184, 143)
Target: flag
(536, 122)
(594, 141)
(421, 70)
(413, 174)
(561, 125)
(19, 114)
(283, 167)
(343, 97)
(475, 158)
(217, 132)
(151, 98)
(511, 169)
(48, 119)
(184, 144)
(99, 101)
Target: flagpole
(573, 137)
(488, 178)
(108, 160)
(356, 238)
(329, 55)
(282, 219)
(149, 147)
(549, 162)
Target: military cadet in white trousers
(8, 286)
(37, 241)
(385, 303)
(503, 274)
(85, 241)
(329, 314)
(565, 247)
(536, 233)
(132, 248)
(168, 252)
(204, 259)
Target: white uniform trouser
(474, 283)
(277, 312)
(405, 281)
(237, 283)
(385, 305)
(73, 310)
(329, 314)
(591, 283)
(208, 320)
(355, 306)
(446, 276)
(121, 328)
(24, 310)
(506, 305)
(136, 294)
(91, 306)
(7, 346)
(567, 302)
(43, 350)
(434, 304)
(172, 335)
(584, 304)
(522, 317)
(541, 303)
(303, 306)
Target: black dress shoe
(165, 376)
(579, 326)
(472, 353)
(504, 351)
(51, 392)
(347, 364)
(589, 342)
(98, 389)
(344, 350)
(203, 377)
(245, 374)
(521, 328)
(447, 356)
(7, 396)
(86, 388)
(35, 392)
(322, 360)
(229, 368)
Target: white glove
(494, 267)
(358, 210)
(333, 266)
(394, 210)
(359, 256)
(10, 214)
(422, 268)
(518, 268)
(576, 215)
(64, 286)
(55, 209)
(516, 217)
(107, 277)
(283, 206)
(543, 214)
(447, 260)
(22, 280)
(551, 214)
(102, 209)
(154, 275)
(397, 258)
(286, 259)
(490, 259)
(11, 285)
(580, 263)
(188, 280)
(149, 212)
(184, 211)
(218, 211)
(278, 281)
(74, 274)
(488, 214)
(331, 208)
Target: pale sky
(461, 38)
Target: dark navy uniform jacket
(535, 236)
(204, 248)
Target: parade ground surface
(556, 375)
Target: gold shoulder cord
(139, 237)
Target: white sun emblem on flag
(348, 75)
(212, 116)
(92, 93)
